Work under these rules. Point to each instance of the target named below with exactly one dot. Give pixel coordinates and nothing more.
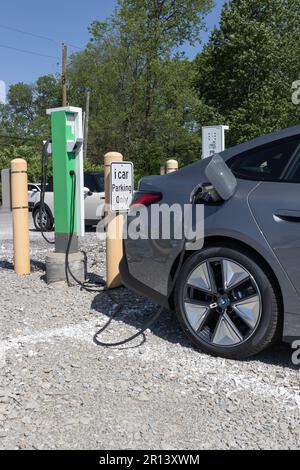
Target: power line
(72, 46)
(34, 35)
(29, 52)
(9, 28)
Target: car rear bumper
(140, 288)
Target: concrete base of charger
(56, 271)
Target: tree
(46, 94)
(29, 151)
(246, 71)
(25, 111)
(18, 114)
(142, 101)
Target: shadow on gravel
(137, 310)
(35, 265)
(38, 265)
(6, 265)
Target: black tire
(268, 323)
(48, 219)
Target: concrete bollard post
(171, 166)
(19, 203)
(114, 239)
(162, 170)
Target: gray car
(241, 291)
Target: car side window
(89, 182)
(293, 172)
(94, 181)
(266, 163)
(100, 182)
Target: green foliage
(246, 71)
(25, 113)
(149, 102)
(30, 153)
(143, 102)
(142, 99)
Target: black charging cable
(44, 174)
(148, 324)
(104, 288)
(83, 285)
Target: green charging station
(67, 163)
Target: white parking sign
(121, 186)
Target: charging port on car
(205, 194)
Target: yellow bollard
(19, 203)
(114, 239)
(171, 166)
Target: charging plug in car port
(205, 194)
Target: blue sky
(60, 21)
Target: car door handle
(287, 216)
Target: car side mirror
(87, 192)
(221, 177)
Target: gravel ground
(58, 390)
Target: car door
(275, 201)
(33, 191)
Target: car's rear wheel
(226, 303)
(47, 219)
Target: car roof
(260, 141)
(236, 150)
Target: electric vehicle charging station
(213, 140)
(68, 181)
(67, 157)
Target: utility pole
(64, 75)
(86, 124)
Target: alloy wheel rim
(44, 220)
(222, 302)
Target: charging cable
(44, 173)
(104, 288)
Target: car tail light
(145, 199)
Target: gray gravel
(58, 390)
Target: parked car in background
(33, 190)
(240, 292)
(93, 197)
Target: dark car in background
(241, 291)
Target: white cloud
(2, 92)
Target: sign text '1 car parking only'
(121, 186)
